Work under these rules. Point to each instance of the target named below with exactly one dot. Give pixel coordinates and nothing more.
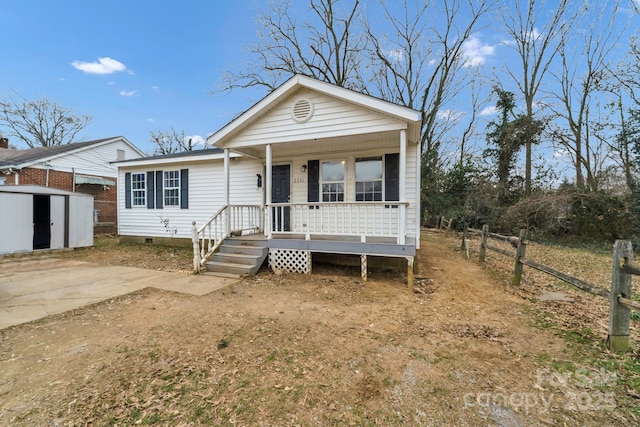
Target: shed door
(16, 222)
(57, 222)
(41, 221)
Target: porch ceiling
(343, 144)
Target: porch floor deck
(338, 244)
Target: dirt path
(305, 350)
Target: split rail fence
(619, 296)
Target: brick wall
(104, 199)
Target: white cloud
(128, 92)
(196, 141)
(534, 34)
(560, 153)
(150, 120)
(155, 88)
(396, 55)
(488, 111)
(450, 115)
(104, 65)
(475, 52)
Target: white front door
(57, 222)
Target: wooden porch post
(410, 273)
(363, 267)
(267, 179)
(226, 190)
(418, 195)
(402, 187)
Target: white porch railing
(364, 219)
(229, 219)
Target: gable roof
(412, 117)
(24, 158)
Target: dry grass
(323, 349)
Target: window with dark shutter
(127, 190)
(184, 188)
(392, 177)
(313, 181)
(150, 198)
(159, 193)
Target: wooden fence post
(483, 242)
(464, 236)
(520, 253)
(619, 315)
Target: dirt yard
(324, 349)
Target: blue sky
(134, 66)
(137, 66)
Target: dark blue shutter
(184, 188)
(127, 190)
(392, 177)
(313, 181)
(150, 192)
(159, 192)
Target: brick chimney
(4, 142)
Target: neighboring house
(312, 168)
(83, 167)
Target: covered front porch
(291, 249)
(339, 171)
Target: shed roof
(38, 189)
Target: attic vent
(302, 110)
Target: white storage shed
(34, 217)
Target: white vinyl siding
(331, 118)
(94, 160)
(206, 196)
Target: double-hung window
(171, 186)
(333, 181)
(138, 189)
(369, 179)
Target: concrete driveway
(35, 288)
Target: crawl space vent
(302, 110)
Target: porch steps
(239, 256)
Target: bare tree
(420, 65)
(170, 142)
(325, 46)
(40, 122)
(535, 41)
(582, 75)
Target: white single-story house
(311, 168)
(33, 218)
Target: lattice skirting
(292, 261)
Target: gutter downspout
(73, 183)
